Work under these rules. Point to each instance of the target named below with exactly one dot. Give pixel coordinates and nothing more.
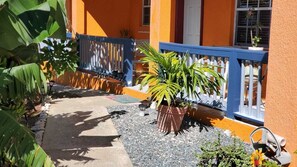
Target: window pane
(147, 2)
(265, 17)
(255, 16)
(146, 20)
(253, 3)
(252, 18)
(264, 34)
(242, 4)
(146, 11)
(241, 35)
(241, 18)
(264, 3)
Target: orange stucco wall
(218, 23)
(138, 30)
(108, 18)
(162, 28)
(281, 98)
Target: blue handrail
(128, 48)
(235, 56)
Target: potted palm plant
(172, 81)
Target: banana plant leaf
(24, 79)
(17, 145)
(19, 56)
(30, 21)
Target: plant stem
(252, 38)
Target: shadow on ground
(76, 142)
(189, 122)
(59, 91)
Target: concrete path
(79, 132)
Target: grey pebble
(147, 147)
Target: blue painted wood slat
(235, 56)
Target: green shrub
(59, 56)
(214, 154)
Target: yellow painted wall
(281, 98)
(108, 18)
(218, 23)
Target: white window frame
(247, 9)
(143, 7)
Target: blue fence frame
(128, 52)
(235, 56)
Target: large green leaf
(18, 146)
(31, 21)
(19, 56)
(25, 79)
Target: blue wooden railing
(107, 56)
(235, 60)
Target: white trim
(144, 32)
(235, 20)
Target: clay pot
(170, 118)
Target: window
(252, 15)
(146, 12)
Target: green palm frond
(172, 77)
(164, 91)
(17, 145)
(24, 79)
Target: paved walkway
(79, 132)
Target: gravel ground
(147, 147)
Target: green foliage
(255, 41)
(270, 164)
(19, 56)
(21, 80)
(26, 22)
(58, 57)
(172, 76)
(214, 154)
(17, 145)
(23, 25)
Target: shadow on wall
(89, 81)
(75, 144)
(106, 17)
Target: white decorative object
(256, 48)
(153, 105)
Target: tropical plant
(27, 22)
(23, 25)
(215, 154)
(172, 80)
(255, 27)
(57, 57)
(255, 41)
(17, 145)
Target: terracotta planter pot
(169, 119)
